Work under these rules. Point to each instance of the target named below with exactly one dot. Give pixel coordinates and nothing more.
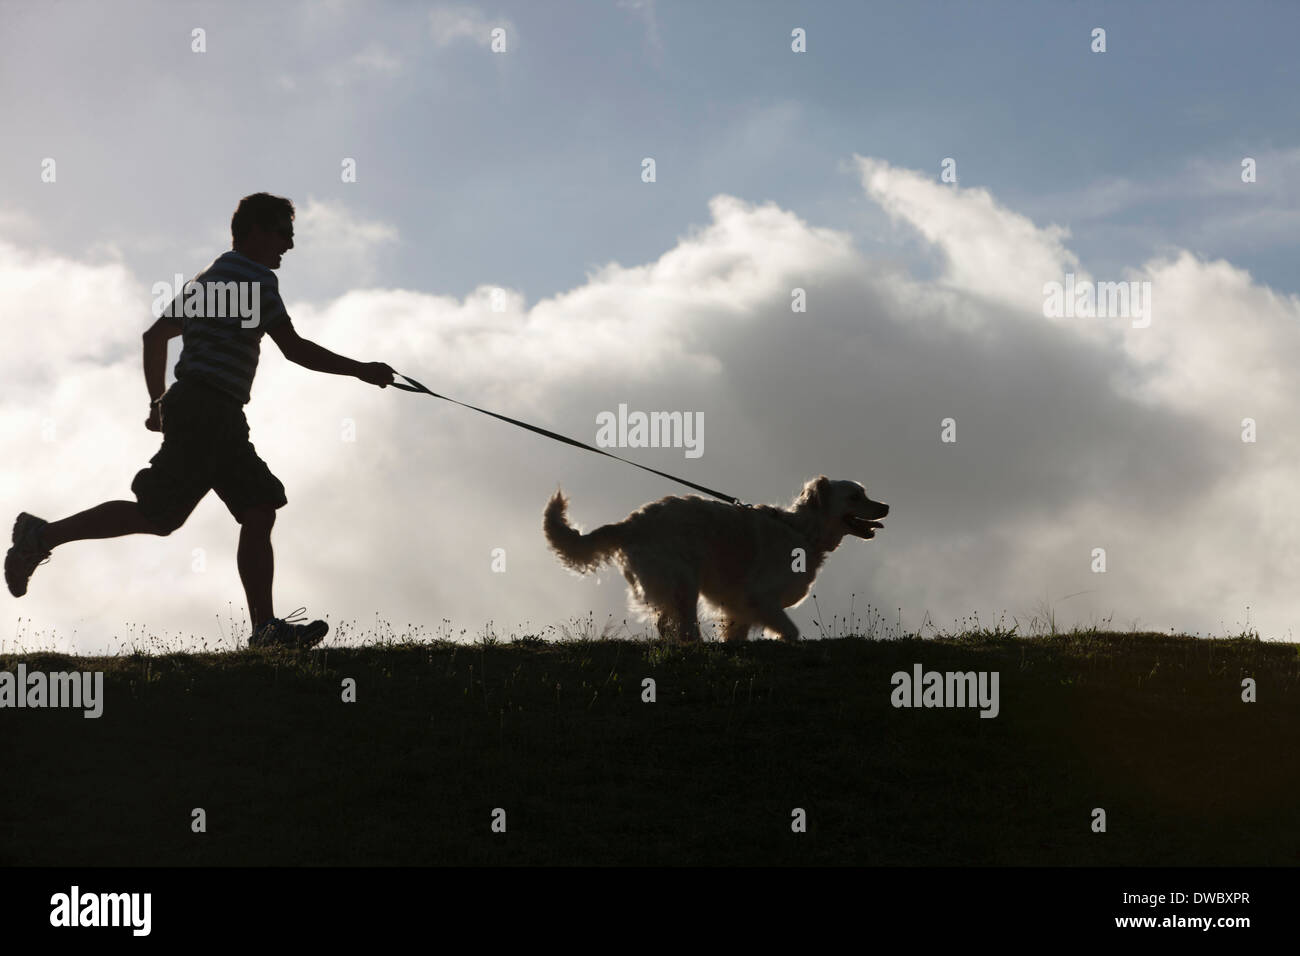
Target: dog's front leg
(736, 629)
(775, 619)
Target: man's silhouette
(205, 432)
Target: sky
(923, 172)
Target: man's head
(262, 228)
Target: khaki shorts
(205, 447)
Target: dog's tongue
(862, 527)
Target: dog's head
(841, 507)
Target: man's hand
(154, 421)
(376, 373)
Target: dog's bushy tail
(577, 551)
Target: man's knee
(162, 526)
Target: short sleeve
(274, 313)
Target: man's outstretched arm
(309, 355)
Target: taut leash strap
(417, 387)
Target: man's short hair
(259, 209)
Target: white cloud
(58, 311)
(988, 249)
(334, 248)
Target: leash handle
(413, 387)
(417, 387)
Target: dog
(747, 562)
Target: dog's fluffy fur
(739, 559)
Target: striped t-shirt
(221, 346)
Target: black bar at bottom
(330, 905)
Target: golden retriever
(747, 562)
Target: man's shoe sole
(15, 578)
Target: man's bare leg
(112, 519)
(257, 562)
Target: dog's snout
(882, 509)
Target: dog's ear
(816, 493)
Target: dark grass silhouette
(1149, 726)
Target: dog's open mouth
(862, 527)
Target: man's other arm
(156, 338)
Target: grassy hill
(1149, 727)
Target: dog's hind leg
(681, 622)
(669, 590)
(775, 619)
(690, 622)
(678, 618)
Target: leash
(417, 387)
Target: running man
(205, 432)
